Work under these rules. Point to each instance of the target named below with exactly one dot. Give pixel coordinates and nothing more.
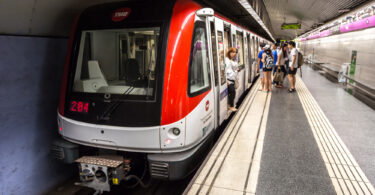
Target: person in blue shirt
(275, 50)
(260, 64)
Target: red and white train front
(138, 79)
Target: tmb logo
(207, 105)
(120, 14)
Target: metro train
(146, 80)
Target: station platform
(318, 140)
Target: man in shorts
(293, 65)
(260, 65)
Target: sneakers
(290, 90)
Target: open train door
(246, 61)
(254, 57)
(222, 87)
(206, 15)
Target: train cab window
(118, 61)
(220, 42)
(199, 68)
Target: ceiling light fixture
(343, 10)
(245, 4)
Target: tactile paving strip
(345, 173)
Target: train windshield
(120, 61)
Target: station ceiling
(41, 17)
(309, 13)
(55, 17)
(234, 10)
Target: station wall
(30, 74)
(337, 49)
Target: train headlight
(173, 135)
(176, 131)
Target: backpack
(300, 59)
(269, 62)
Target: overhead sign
(290, 26)
(120, 14)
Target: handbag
(279, 76)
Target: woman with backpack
(267, 60)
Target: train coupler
(100, 172)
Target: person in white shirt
(293, 65)
(231, 72)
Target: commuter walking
(293, 65)
(260, 65)
(268, 63)
(231, 72)
(282, 54)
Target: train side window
(240, 46)
(234, 43)
(253, 50)
(248, 50)
(220, 41)
(226, 38)
(199, 68)
(214, 52)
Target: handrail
(356, 81)
(368, 92)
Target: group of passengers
(281, 59)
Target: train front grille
(160, 170)
(57, 152)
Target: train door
(246, 60)
(201, 121)
(219, 63)
(215, 72)
(254, 57)
(233, 35)
(233, 30)
(241, 60)
(227, 42)
(249, 57)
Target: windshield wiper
(112, 107)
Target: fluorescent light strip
(252, 12)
